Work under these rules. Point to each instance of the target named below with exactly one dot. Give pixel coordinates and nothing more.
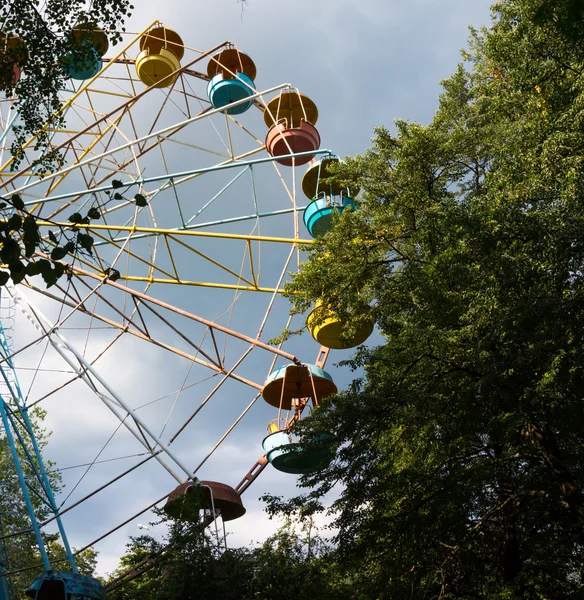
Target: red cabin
(291, 117)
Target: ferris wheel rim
(101, 279)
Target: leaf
(53, 237)
(44, 265)
(48, 274)
(30, 230)
(118, 196)
(17, 201)
(59, 253)
(93, 213)
(15, 222)
(10, 250)
(32, 269)
(59, 270)
(140, 200)
(29, 249)
(113, 274)
(4, 277)
(85, 241)
(117, 184)
(17, 271)
(76, 218)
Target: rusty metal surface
(282, 140)
(227, 501)
(233, 61)
(184, 502)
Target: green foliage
(20, 548)
(45, 43)
(39, 41)
(290, 565)
(25, 252)
(460, 449)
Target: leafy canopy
(460, 448)
(45, 40)
(38, 40)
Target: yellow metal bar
(251, 263)
(206, 257)
(109, 93)
(204, 284)
(171, 257)
(150, 264)
(73, 131)
(177, 232)
(86, 151)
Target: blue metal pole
(22, 481)
(6, 589)
(171, 176)
(44, 478)
(49, 491)
(216, 196)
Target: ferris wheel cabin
(186, 501)
(328, 198)
(13, 52)
(60, 585)
(291, 117)
(288, 454)
(84, 60)
(327, 329)
(231, 78)
(297, 381)
(160, 56)
(287, 388)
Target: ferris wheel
(185, 186)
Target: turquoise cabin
(231, 78)
(89, 44)
(290, 456)
(82, 63)
(318, 215)
(222, 92)
(60, 585)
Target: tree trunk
(552, 458)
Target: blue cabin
(222, 92)
(318, 215)
(290, 456)
(326, 194)
(231, 78)
(59, 585)
(82, 63)
(88, 45)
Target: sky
(364, 64)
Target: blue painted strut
(42, 476)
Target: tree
(45, 39)
(19, 551)
(40, 41)
(290, 565)
(460, 446)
